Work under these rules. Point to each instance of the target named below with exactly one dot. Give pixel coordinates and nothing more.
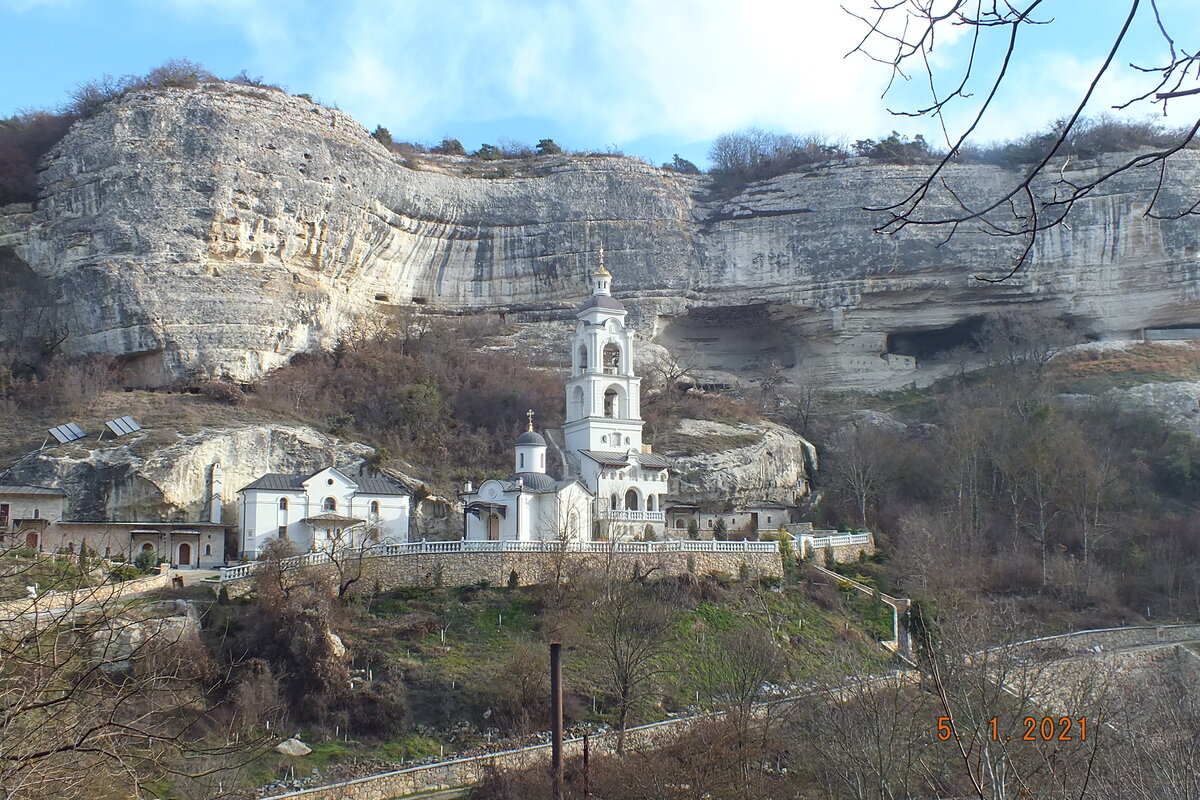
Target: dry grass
(164, 415)
(1094, 371)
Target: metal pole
(556, 720)
(587, 785)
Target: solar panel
(123, 425)
(67, 433)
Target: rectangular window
(283, 531)
(3, 513)
(768, 519)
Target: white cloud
(619, 70)
(612, 71)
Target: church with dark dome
(614, 487)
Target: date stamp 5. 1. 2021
(1037, 729)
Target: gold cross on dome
(529, 414)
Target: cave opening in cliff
(934, 343)
(730, 338)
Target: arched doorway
(493, 527)
(31, 540)
(610, 404)
(185, 554)
(631, 500)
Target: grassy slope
(822, 634)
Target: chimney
(646, 448)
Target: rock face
(718, 462)
(220, 230)
(141, 480)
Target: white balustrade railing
(514, 546)
(624, 515)
(834, 540)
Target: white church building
(322, 510)
(615, 488)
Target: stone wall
(464, 771)
(464, 569)
(56, 601)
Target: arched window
(330, 504)
(583, 365)
(374, 508)
(147, 548)
(283, 504)
(520, 461)
(542, 461)
(208, 549)
(612, 501)
(610, 403)
(680, 525)
(37, 513)
(631, 500)
(578, 400)
(650, 503)
(612, 359)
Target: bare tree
(629, 632)
(902, 35)
(100, 696)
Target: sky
(650, 78)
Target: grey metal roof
(533, 481)
(283, 482)
(32, 490)
(611, 458)
(379, 485)
(602, 301)
(279, 482)
(531, 437)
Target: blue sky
(651, 78)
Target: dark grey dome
(531, 437)
(603, 301)
(537, 481)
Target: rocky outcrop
(141, 479)
(220, 230)
(737, 463)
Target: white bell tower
(603, 401)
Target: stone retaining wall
(463, 771)
(57, 601)
(1111, 638)
(465, 569)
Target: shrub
(682, 165)
(383, 136)
(24, 139)
(488, 152)
(123, 572)
(449, 147)
(693, 529)
(547, 147)
(181, 73)
(146, 561)
(223, 391)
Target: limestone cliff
(221, 230)
(144, 479)
(723, 464)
